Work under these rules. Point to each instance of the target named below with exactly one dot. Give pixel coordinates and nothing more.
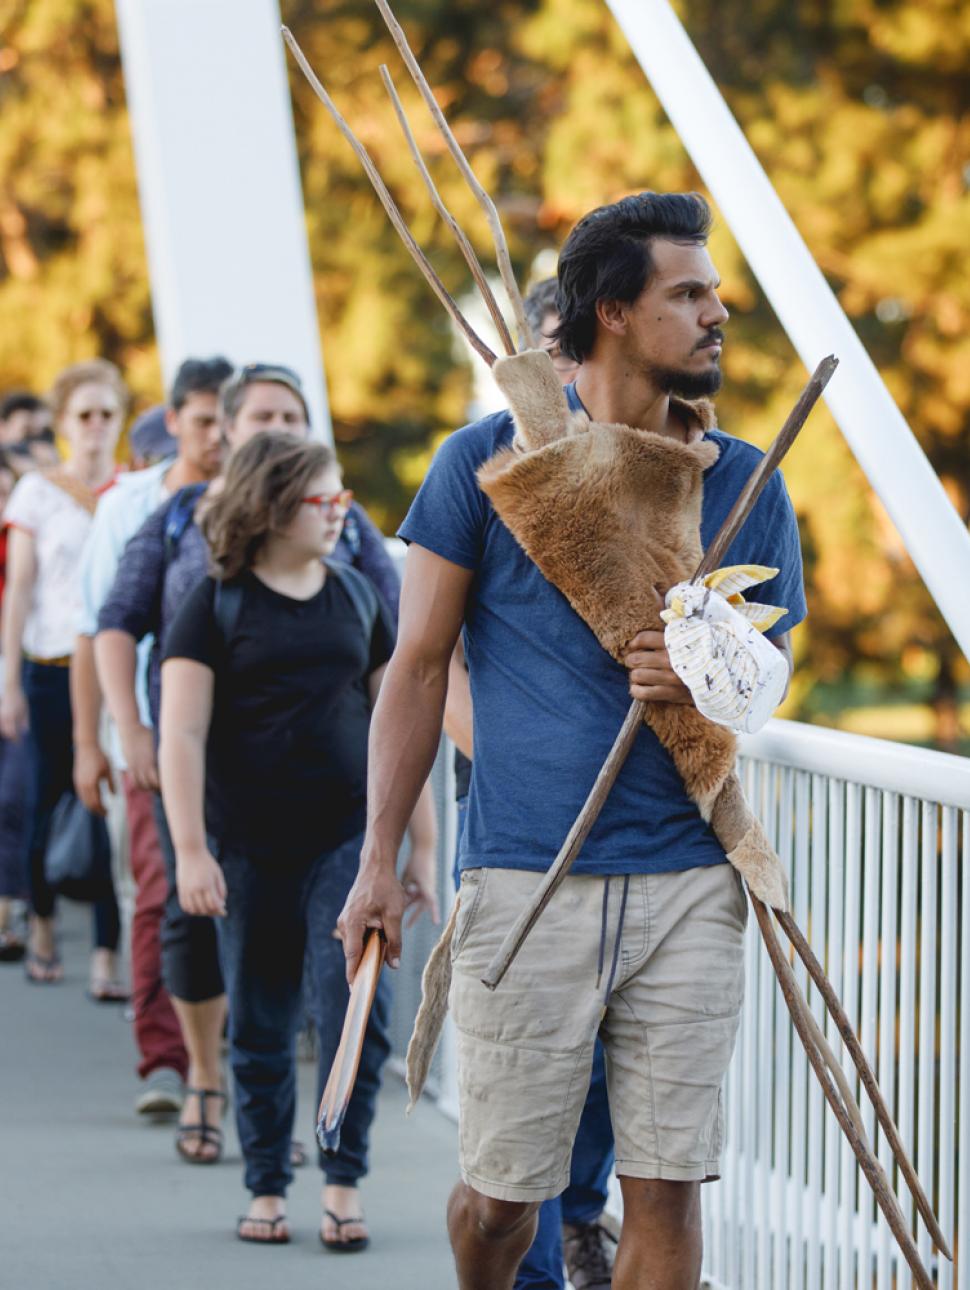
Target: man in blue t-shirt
(643, 942)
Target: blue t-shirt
(548, 700)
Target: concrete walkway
(92, 1199)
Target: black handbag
(77, 863)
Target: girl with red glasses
(271, 668)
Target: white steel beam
(875, 429)
(219, 185)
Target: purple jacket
(151, 585)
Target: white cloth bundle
(713, 637)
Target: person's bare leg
(42, 943)
(489, 1238)
(661, 1242)
(202, 1025)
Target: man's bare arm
(91, 766)
(458, 706)
(116, 656)
(405, 731)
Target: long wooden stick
(885, 1197)
(503, 259)
(854, 1048)
(466, 248)
(389, 204)
(343, 1073)
(766, 467)
(625, 740)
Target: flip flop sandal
(37, 969)
(269, 1225)
(344, 1247)
(207, 1135)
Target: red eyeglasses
(336, 502)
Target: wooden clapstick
(343, 1073)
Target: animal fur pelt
(610, 514)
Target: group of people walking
(204, 634)
(207, 634)
(226, 613)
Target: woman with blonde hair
(270, 671)
(49, 514)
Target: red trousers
(157, 1031)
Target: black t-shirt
(286, 760)
(463, 775)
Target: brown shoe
(589, 1250)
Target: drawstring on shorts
(619, 936)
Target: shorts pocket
(470, 896)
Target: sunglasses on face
(88, 414)
(335, 502)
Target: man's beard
(687, 385)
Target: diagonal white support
(219, 186)
(875, 429)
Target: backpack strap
(361, 591)
(351, 533)
(178, 517)
(226, 605)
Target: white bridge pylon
(816, 324)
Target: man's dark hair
(198, 376)
(607, 257)
(20, 401)
(539, 303)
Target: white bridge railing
(876, 839)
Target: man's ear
(611, 314)
(171, 422)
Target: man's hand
(138, 746)
(14, 715)
(91, 770)
(652, 679)
(420, 882)
(376, 899)
(201, 883)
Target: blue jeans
(274, 920)
(585, 1198)
(51, 774)
(14, 815)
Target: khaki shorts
(654, 964)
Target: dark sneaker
(163, 1094)
(589, 1250)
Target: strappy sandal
(352, 1246)
(205, 1134)
(270, 1225)
(104, 989)
(40, 970)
